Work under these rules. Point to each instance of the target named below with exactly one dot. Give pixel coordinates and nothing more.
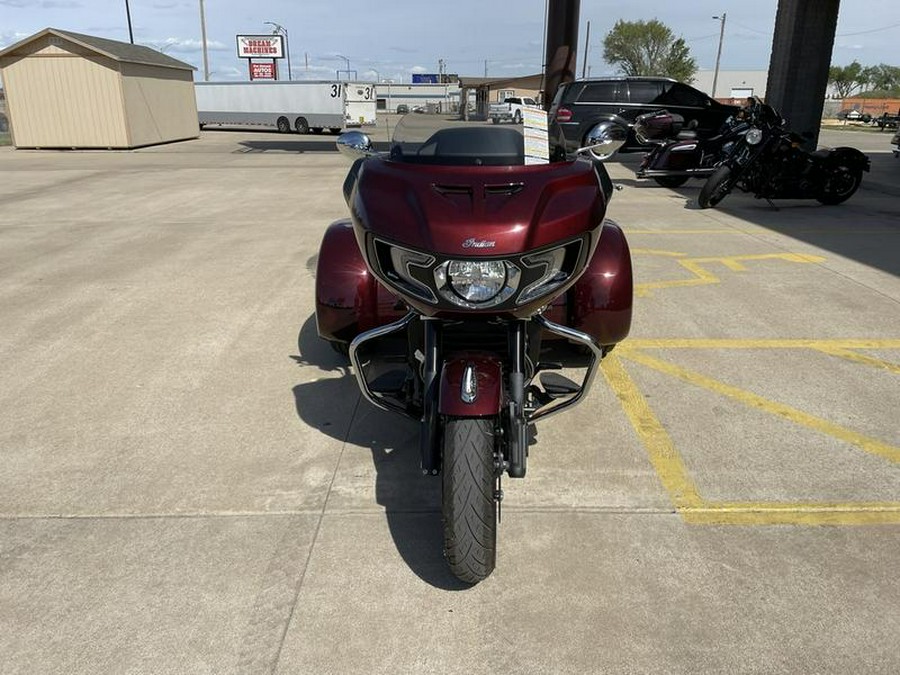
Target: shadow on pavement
(326, 144)
(865, 228)
(410, 500)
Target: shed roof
(118, 51)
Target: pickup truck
(510, 110)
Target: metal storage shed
(67, 90)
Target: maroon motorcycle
(464, 278)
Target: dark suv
(581, 104)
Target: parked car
(402, 109)
(895, 141)
(582, 104)
(854, 115)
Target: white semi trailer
(303, 106)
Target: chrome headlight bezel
(443, 279)
(753, 136)
(526, 278)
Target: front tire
(716, 188)
(469, 508)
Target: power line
(863, 32)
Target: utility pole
(203, 40)
(587, 48)
(485, 68)
(128, 16)
(719, 53)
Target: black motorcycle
(677, 153)
(770, 162)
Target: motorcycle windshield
(438, 140)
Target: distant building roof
(118, 51)
(525, 81)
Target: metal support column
(560, 60)
(801, 56)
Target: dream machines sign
(260, 46)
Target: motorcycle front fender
(471, 386)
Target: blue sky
(391, 39)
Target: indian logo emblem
(478, 243)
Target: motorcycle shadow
(411, 501)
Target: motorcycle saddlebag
(657, 126)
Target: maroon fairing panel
(445, 209)
(601, 300)
(349, 300)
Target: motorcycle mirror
(354, 144)
(603, 140)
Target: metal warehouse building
(66, 90)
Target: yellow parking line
(761, 343)
(684, 494)
(785, 513)
(653, 251)
(666, 461)
(860, 358)
(865, 443)
(703, 277)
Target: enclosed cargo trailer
(302, 106)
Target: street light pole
(276, 29)
(719, 53)
(203, 40)
(341, 56)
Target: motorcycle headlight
(754, 136)
(477, 280)
(476, 283)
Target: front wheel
(469, 509)
(671, 181)
(715, 188)
(840, 185)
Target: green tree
(882, 77)
(847, 79)
(648, 48)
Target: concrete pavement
(191, 483)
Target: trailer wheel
(301, 125)
(284, 126)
